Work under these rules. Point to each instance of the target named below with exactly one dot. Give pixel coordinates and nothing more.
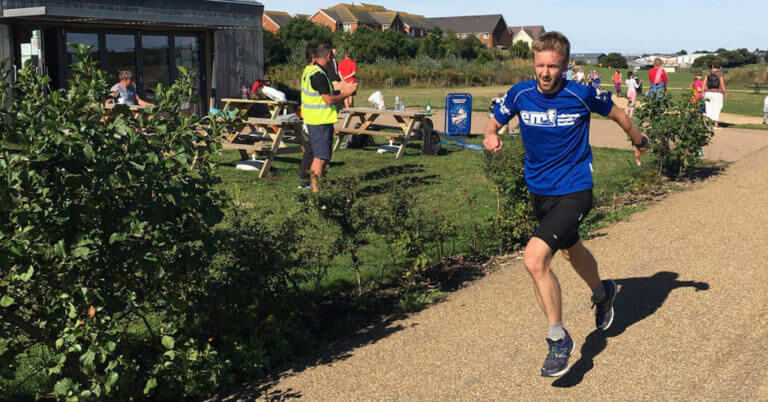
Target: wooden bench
(756, 87)
(407, 122)
(273, 141)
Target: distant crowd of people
(709, 88)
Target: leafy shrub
(515, 221)
(677, 131)
(746, 76)
(448, 71)
(614, 60)
(105, 237)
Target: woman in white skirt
(714, 93)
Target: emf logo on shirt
(539, 119)
(550, 118)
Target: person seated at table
(124, 93)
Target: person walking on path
(617, 83)
(348, 73)
(657, 78)
(715, 93)
(554, 124)
(632, 89)
(580, 76)
(318, 107)
(765, 110)
(596, 81)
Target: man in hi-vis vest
(318, 107)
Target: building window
(485, 36)
(347, 27)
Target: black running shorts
(560, 216)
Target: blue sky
(602, 26)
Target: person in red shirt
(348, 72)
(657, 78)
(617, 82)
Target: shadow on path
(638, 298)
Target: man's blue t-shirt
(555, 131)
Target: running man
(554, 123)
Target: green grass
(443, 184)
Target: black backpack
(713, 81)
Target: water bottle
(245, 92)
(397, 103)
(402, 104)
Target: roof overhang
(173, 13)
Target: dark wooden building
(220, 39)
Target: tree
(275, 50)
(615, 60)
(368, 45)
(302, 29)
(682, 52)
(520, 49)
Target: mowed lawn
(741, 100)
(443, 183)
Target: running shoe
(604, 312)
(556, 363)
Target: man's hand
(639, 150)
(493, 142)
(349, 88)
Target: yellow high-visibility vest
(313, 108)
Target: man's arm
(628, 126)
(142, 102)
(492, 142)
(348, 90)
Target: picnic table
(135, 110)
(409, 124)
(268, 138)
(275, 108)
(757, 86)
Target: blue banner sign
(458, 114)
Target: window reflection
(121, 54)
(157, 66)
(87, 39)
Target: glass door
(120, 55)
(186, 53)
(156, 66)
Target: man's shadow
(637, 299)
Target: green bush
(447, 71)
(514, 224)
(614, 60)
(105, 236)
(677, 131)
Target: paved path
(692, 317)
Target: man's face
(125, 83)
(548, 66)
(323, 60)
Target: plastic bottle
(397, 103)
(402, 104)
(245, 92)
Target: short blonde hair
(554, 41)
(126, 75)
(657, 62)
